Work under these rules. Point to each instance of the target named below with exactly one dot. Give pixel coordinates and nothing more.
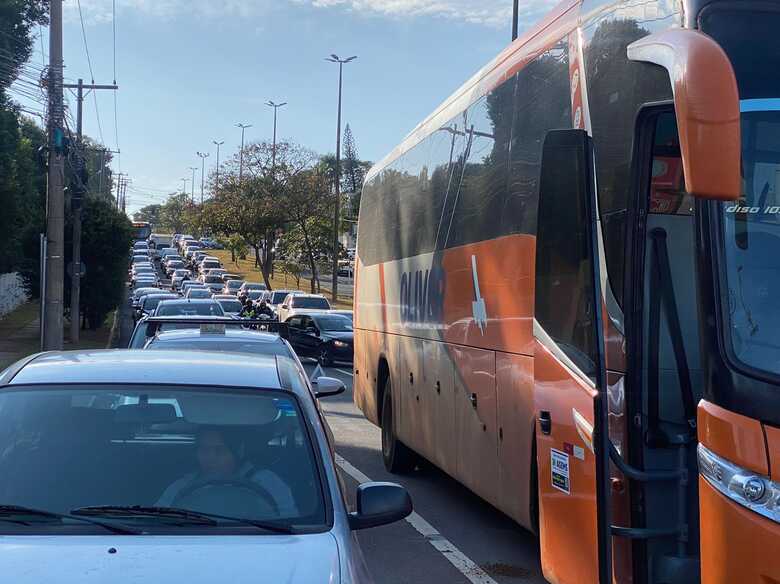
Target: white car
(300, 304)
(156, 466)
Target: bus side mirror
(706, 102)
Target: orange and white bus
(567, 285)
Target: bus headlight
(756, 492)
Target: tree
(17, 20)
(174, 213)
(149, 213)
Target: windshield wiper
(8, 511)
(176, 512)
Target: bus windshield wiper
(7, 513)
(177, 512)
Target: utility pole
(76, 206)
(241, 152)
(276, 106)
(515, 16)
(55, 205)
(337, 206)
(184, 185)
(119, 188)
(218, 144)
(193, 169)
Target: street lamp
(335, 280)
(193, 169)
(218, 144)
(203, 156)
(241, 155)
(184, 185)
(276, 106)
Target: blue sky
(189, 70)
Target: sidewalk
(19, 334)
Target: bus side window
(564, 265)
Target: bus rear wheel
(398, 457)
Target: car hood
(191, 559)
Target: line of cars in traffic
(200, 454)
(201, 286)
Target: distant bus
(141, 229)
(566, 290)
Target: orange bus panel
(737, 545)
(738, 439)
(773, 451)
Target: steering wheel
(237, 483)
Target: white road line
(457, 558)
(344, 371)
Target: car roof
(309, 296)
(149, 367)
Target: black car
(326, 337)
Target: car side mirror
(379, 504)
(284, 306)
(327, 387)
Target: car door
(295, 331)
(569, 370)
(309, 337)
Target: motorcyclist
(249, 310)
(264, 310)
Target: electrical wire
(116, 107)
(91, 73)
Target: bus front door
(569, 367)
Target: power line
(91, 72)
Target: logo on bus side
(422, 295)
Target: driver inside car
(221, 461)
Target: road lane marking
(445, 547)
(344, 371)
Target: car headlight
(751, 490)
(340, 344)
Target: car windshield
(180, 272)
(255, 294)
(309, 302)
(234, 284)
(213, 280)
(151, 302)
(278, 297)
(198, 293)
(189, 309)
(221, 345)
(750, 240)
(254, 286)
(238, 454)
(230, 305)
(333, 323)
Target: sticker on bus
(559, 466)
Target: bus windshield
(750, 227)
(751, 240)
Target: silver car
(175, 469)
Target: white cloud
(495, 13)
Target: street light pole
(241, 152)
(276, 106)
(218, 145)
(193, 169)
(337, 207)
(184, 185)
(203, 156)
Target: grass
(247, 271)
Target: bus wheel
(398, 457)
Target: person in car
(221, 457)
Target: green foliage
(105, 241)
(17, 19)
(150, 213)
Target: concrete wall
(12, 293)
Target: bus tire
(398, 457)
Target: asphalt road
(455, 538)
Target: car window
(278, 297)
(295, 322)
(198, 293)
(219, 345)
(230, 305)
(189, 309)
(158, 446)
(213, 280)
(309, 302)
(333, 323)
